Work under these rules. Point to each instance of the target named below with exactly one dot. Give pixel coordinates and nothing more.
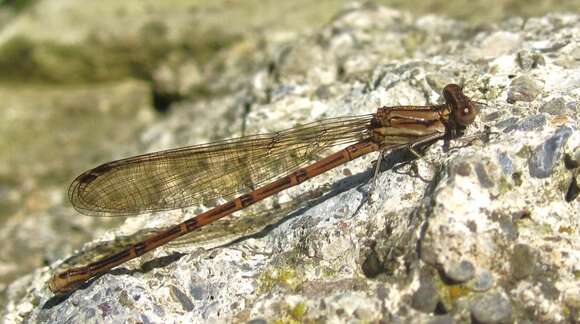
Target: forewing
(191, 175)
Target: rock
(506, 163)
(523, 88)
(545, 156)
(483, 281)
(529, 123)
(466, 213)
(492, 308)
(507, 124)
(556, 106)
(529, 60)
(522, 262)
(426, 298)
(460, 272)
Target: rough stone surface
(301, 256)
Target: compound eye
(466, 114)
(462, 109)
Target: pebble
(549, 289)
(556, 106)
(532, 123)
(182, 298)
(425, 299)
(460, 271)
(528, 124)
(506, 224)
(505, 163)
(545, 156)
(483, 176)
(522, 261)
(483, 281)
(506, 123)
(491, 308)
(529, 60)
(523, 88)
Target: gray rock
(522, 261)
(507, 124)
(425, 299)
(545, 156)
(573, 189)
(460, 271)
(483, 176)
(523, 88)
(509, 229)
(492, 308)
(182, 298)
(535, 122)
(506, 163)
(529, 60)
(556, 106)
(483, 281)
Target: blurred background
(82, 82)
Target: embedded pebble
(182, 298)
(508, 228)
(491, 116)
(507, 123)
(522, 261)
(532, 123)
(483, 281)
(505, 163)
(461, 271)
(545, 156)
(196, 293)
(556, 106)
(425, 299)
(483, 176)
(528, 60)
(549, 289)
(491, 308)
(523, 89)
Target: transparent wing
(203, 173)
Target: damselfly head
(462, 108)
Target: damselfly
(252, 168)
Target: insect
(246, 170)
